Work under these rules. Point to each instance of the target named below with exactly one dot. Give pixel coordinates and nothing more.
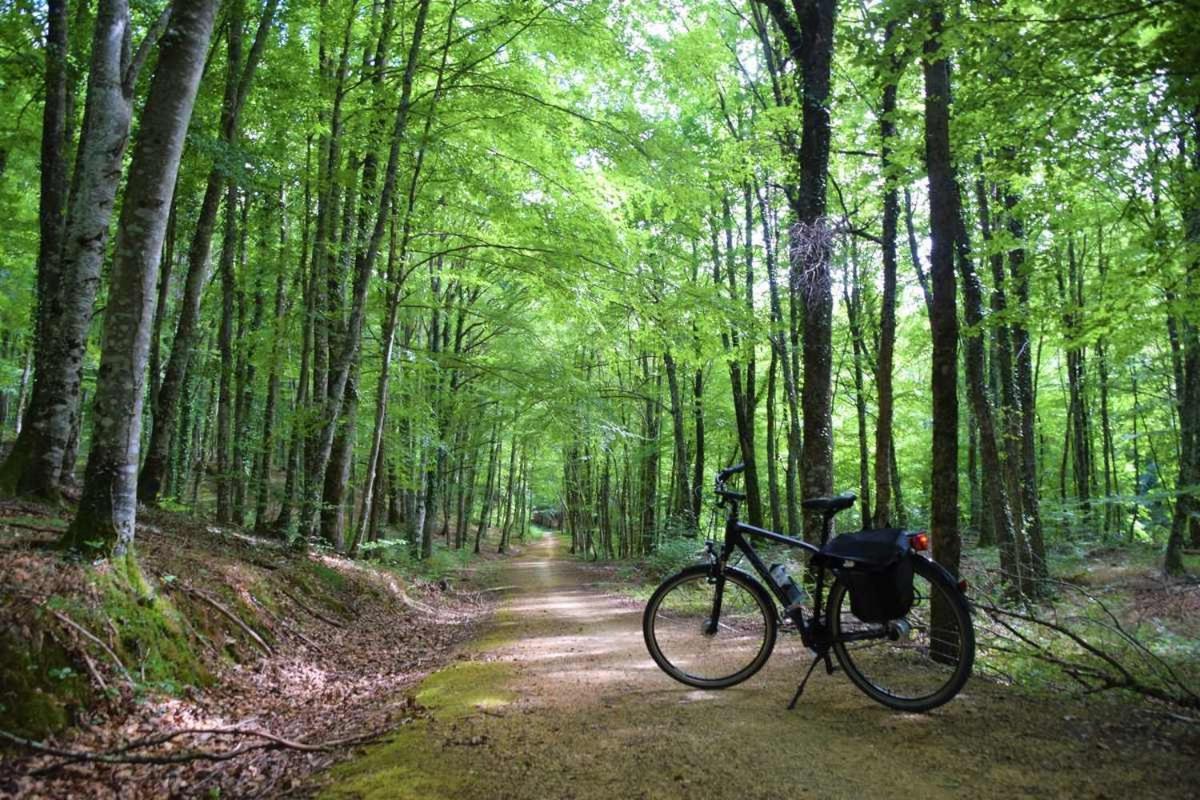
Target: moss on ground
(44, 688)
(415, 764)
(41, 688)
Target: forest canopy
(357, 271)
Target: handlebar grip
(728, 471)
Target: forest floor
(560, 700)
(322, 650)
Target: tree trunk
(809, 35)
(887, 313)
(364, 264)
(71, 254)
(1030, 504)
(237, 87)
(853, 296)
(943, 513)
(108, 507)
(681, 490)
(225, 347)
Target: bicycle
(897, 622)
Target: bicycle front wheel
(691, 646)
(912, 664)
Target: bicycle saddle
(830, 504)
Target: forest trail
(560, 700)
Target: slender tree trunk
(887, 312)
(681, 490)
(493, 458)
(1030, 505)
(225, 346)
(364, 267)
(237, 88)
(853, 297)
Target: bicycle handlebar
(724, 475)
(728, 472)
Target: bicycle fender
(950, 580)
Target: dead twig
(37, 528)
(234, 618)
(84, 632)
(123, 754)
(313, 612)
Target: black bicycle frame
(813, 631)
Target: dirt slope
(560, 700)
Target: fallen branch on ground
(123, 754)
(63, 618)
(37, 528)
(234, 618)
(314, 613)
(1097, 652)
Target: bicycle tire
(674, 620)
(928, 655)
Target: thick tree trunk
(809, 35)
(71, 254)
(943, 206)
(108, 506)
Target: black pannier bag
(877, 570)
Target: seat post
(826, 526)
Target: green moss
(41, 688)
(414, 765)
(153, 640)
(464, 688)
(410, 766)
(328, 576)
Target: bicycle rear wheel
(926, 660)
(677, 626)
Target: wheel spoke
(679, 626)
(923, 666)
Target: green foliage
(671, 556)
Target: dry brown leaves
(324, 682)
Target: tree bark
(943, 513)
(237, 88)
(71, 254)
(809, 34)
(107, 509)
(887, 312)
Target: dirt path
(562, 701)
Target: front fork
(814, 633)
(716, 576)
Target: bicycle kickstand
(807, 675)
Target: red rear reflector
(920, 541)
(962, 586)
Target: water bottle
(793, 593)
